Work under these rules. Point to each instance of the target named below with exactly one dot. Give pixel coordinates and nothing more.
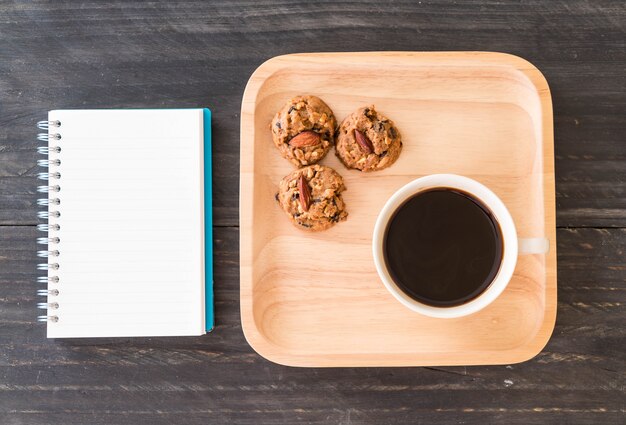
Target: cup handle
(532, 246)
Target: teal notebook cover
(208, 224)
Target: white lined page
(131, 244)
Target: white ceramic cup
(513, 246)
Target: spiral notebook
(128, 223)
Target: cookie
(304, 130)
(368, 141)
(311, 197)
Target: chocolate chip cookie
(368, 141)
(303, 130)
(311, 197)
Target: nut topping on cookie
(306, 138)
(305, 193)
(363, 142)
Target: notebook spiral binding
(51, 203)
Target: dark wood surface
(62, 54)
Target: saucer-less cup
(513, 246)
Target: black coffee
(443, 247)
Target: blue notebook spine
(51, 202)
(208, 223)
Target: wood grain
(160, 54)
(316, 299)
(578, 378)
(66, 54)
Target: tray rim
(276, 354)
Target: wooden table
(107, 54)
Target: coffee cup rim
(481, 193)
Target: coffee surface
(443, 247)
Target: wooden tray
(314, 299)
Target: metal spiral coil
(47, 292)
(46, 279)
(46, 137)
(47, 214)
(45, 125)
(48, 241)
(48, 176)
(48, 163)
(52, 319)
(45, 202)
(52, 173)
(46, 254)
(48, 227)
(48, 189)
(45, 150)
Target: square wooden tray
(314, 299)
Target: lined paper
(131, 232)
